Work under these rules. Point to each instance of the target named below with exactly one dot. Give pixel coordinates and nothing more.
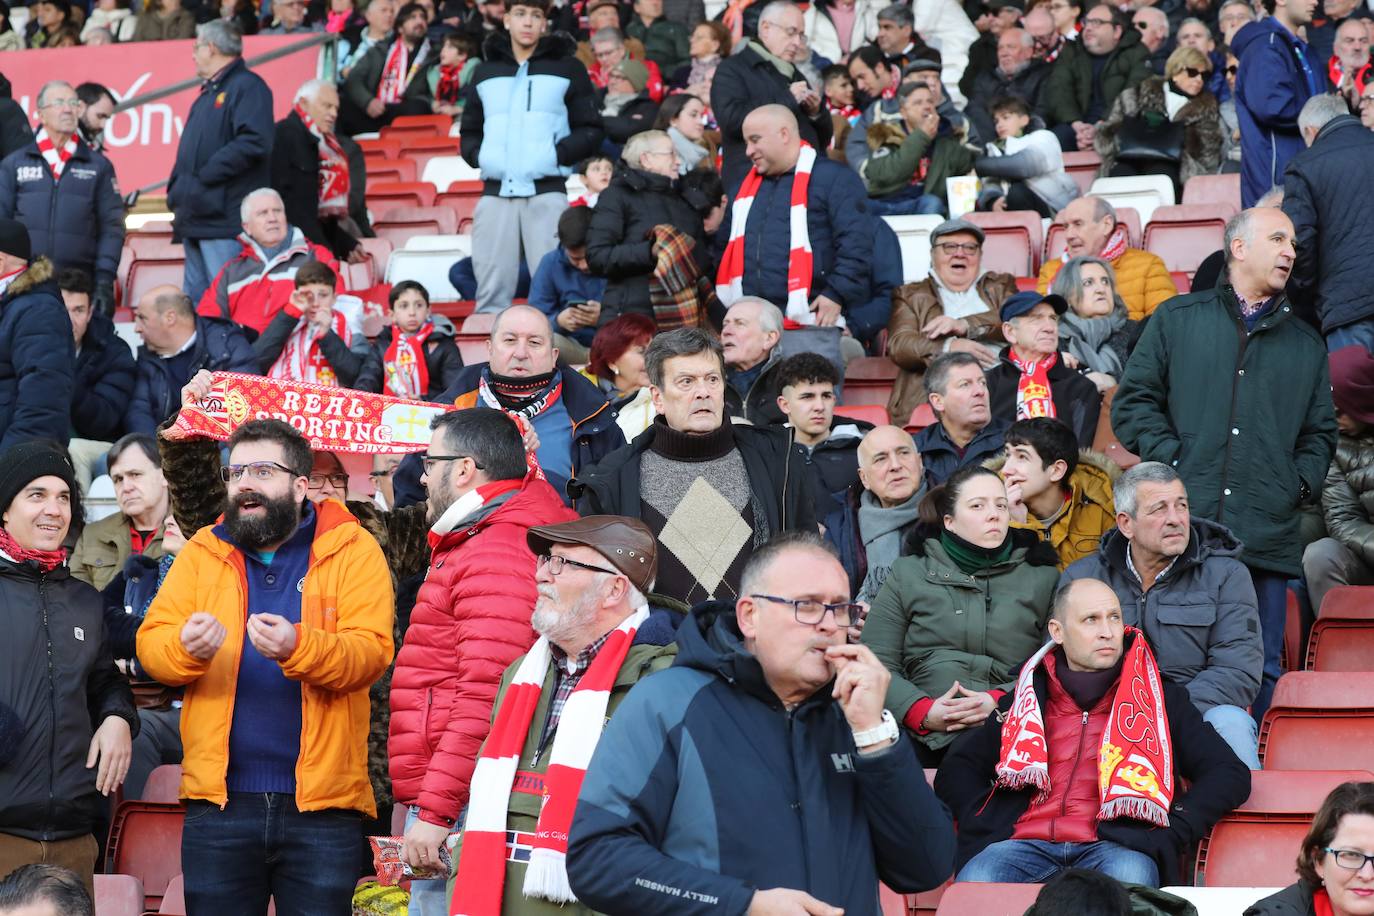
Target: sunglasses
(1232, 70)
(1194, 72)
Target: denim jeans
(260, 846)
(904, 204)
(1359, 333)
(205, 258)
(428, 898)
(1036, 861)
(1271, 591)
(1239, 730)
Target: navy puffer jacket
(35, 359)
(104, 382)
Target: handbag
(1151, 137)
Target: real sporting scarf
(334, 178)
(399, 70)
(480, 884)
(1033, 397)
(538, 402)
(47, 560)
(302, 359)
(1115, 245)
(54, 157)
(730, 276)
(1135, 762)
(405, 372)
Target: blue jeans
(1239, 730)
(464, 279)
(1271, 590)
(905, 204)
(205, 258)
(428, 898)
(1036, 861)
(260, 846)
(1359, 333)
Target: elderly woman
(1335, 877)
(617, 366)
(709, 44)
(1095, 330)
(1141, 116)
(682, 117)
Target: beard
(439, 495)
(558, 624)
(280, 517)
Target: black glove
(103, 302)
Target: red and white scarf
(482, 869)
(302, 359)
(1336, 72)
(399, 70)
(1115, 245)
(334, 179)
(56, 158)
(1033, 397)
(406, 374)
(1135, 763)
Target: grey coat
(1201, 617)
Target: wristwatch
(886, 730)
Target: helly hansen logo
(843, 763)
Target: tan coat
(103, 548)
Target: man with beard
(388, 81)
(471, 620)
(276, 620)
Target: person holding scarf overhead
(391, 79)
(416, 356)
(312, 338)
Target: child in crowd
(447, 78)
(1023, 168)
(416, 357)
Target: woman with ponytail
(960, 611)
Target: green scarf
(971, 558)
(786, 68)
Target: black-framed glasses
(1351, 859)
(810, 612)
(260, 471)
(1105, 23)
(555, 563)
(317, 481)
(430, 461)
(381, 475)
(1194, 72)
(959, 247)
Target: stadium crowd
(658, 622)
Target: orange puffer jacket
(1142, 281)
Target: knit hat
(14, 240)
(1352, 382)
(26, 462)
(635, 72)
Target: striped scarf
(302, 359)
(1033, 396)
(334, 178)
(1115, 246)
(399, 69)
(56, 158)
(406, 372)
(481, 879)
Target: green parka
(897, 155)
(1067, 91)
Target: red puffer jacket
(471, 620)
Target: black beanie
(14, 240)
(26, 462)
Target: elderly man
(964, 431)
(320, 174)
(141, 491)
(749, 337)
(711, 491)
(177, 343)
(289, 19)
(810, 767)
(1091, 228)
(1153, 26)
(258, 283)
(762, 74)
(1018, 73)
(1031, 378)
(1350, 67)
(65, 193)
(223, 154)
(379, 16)
(914, 156)
(389, 80)
(1257, 447)
(1129, 815)
(608, 46)
(1089, 74)
(104, 377)
(954, 310)
(1180, 581)
(482, 499)
(908, 34)
(870, 531)
(36, 366)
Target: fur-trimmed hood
(39, 271)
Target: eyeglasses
(1195, 73)
(1366, 100)
(1232, 70)
(659, 152)
(317, 481)
(260, 471)
(810, 612)
(64, 103)
(381, 475)
(786, 30)
(959, 247)
(1104, 23)
(1351, 859)
(555, 563)
(431, 460)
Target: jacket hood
(1206, 539)
(555, 44)
(1256, 31)
(1032, 549)
(39, 271)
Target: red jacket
(1069, 814)
(471, 620)
(253, 287)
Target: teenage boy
(806, 396)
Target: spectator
(258, 283)
(315, 337)
(76, 222)
(28, 887)
(698, 479)
(879, 81)
(1316, 188)
(1196, 34)
(255, 754)
(899, 38)
(1018, 74)
(806, 384)
(835, 29)
(762, 74)
(10, 39)
(952, 310)
(177, 344)
(1153, 25)
(135, 469)
(289, 19)
(320, 174)
(1091, 228)
(379, 17)
(749, 338)
(840, 99)
(1024, 163)
(452, 73)
(383, 467)
(665, 40)
(103, 380)
(481, 581)
(709, 44)
(36, 365)
(564, 289)
(627, 108)
(1230, 147)
(1179, 580)
(1079, 890)
(46, 22)
(1095, 330)
(1366, 107)
(523, 191)
(910, 160)
(927, 70)
(166, 20)
(1089, 74)
(609, 47)
(1232, 16)
(1048, 810)
(964, 432)
(241, 13)
(223, 155)
(1350, 68)
(389, 80)
(942, 25)
(873, 818)
(98, 105)
(1032, 379)
(1346, 555)
(15, 132)
(616, 361)
(1276, 79)
(1328, 878)
(1284, 420)
(683, 116)
(56, 725)
(115, 17)
(415, 355)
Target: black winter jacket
(1076, 400)
(76, 221)
(442, 358)
(35, 359)
(296, 177)
(105, 373)
(1293, 900)
(345, 362)
(220, 346)
(618, 244)
(637, 115)
(57, 674)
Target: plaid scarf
(56, 158)
(678, 291)
(334, 179)
(47, 560)
(399, 70)
(1135, 763)
(481, 879)
(404, 368)
(1033, 387)
(730, 277)
(301, 358)
(1115, 245)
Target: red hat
(1352, 383)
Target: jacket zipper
(796, 804)
(1077, 756)
(529, 94)
(52, 703)
(1231, 418)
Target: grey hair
(1321, 110)
(1027, 40)
(50, 85)
(222, 35)
(177, 302)
(774, 10)
(1102, 207)
(937, 373)
(1154, 11)
(1124, 490)
(1244, 3)
(1195, 21)
(311, 88)
(246, 208)
(764, 557)
(898, 14)
(609, 33)
(639, 144)
(679, 342)
(1272, 197)
(770, 316)
(1069, 281)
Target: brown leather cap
(627, 543)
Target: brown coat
(913, 305)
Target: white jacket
(823, 39)
(121, 23)
(1035, 158)
(946, 28)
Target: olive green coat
(1067, 91)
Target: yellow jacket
(1090, 512)
(343, 646)
(1142, 281)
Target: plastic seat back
(145, 841)
(1142, 192)
(174, 901)
(1014, 241)
(118, 895)
(146, 274)
(428, 268)
(869, 413)
(444, 170)
(1083, 167)
(968, 898)
(164, 784)
(1207, 189)
(1320, 720)
(913, 236)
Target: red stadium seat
(1342, 639)
(1082, 168)
(1027, 283)
(154, 247)
(1184, 235)
(163, 785)
(399, 224)
(437, 124)
(891, 902)
(869, 380)
(1014, 241)
(1292, 656)
(1054, 241)
(927, 903)
(380, 249)
(869, 413)
(152, 227)
(967, 898)
(385, 196)
(478, 323)
(380, 170)
(1256, 844)
(145, 841)
(118, 895)
(920, 418)
(1207, 189)
(422, 149)
(174, 902)
(146, 274)
(1320, 720)
(458, 309)
(462, 202)
(391, 149)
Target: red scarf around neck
(334, 178)
(47, 560)
(448, 88)
(302, 359)
(55, 158)
(1033, 396)
(1115, 245)
(1337, 73)
(406, 375)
